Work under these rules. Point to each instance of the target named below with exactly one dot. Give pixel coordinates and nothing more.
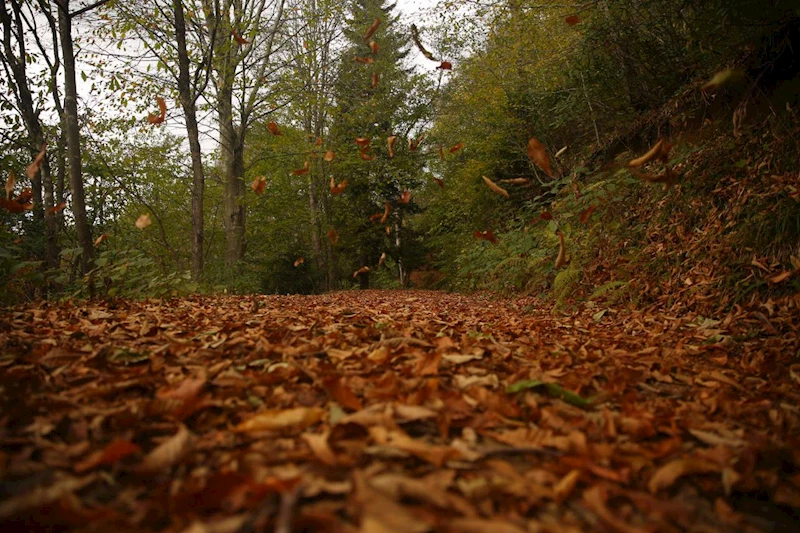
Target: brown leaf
(665, 476)
(273, 128)
(783, 276)
(486, 235)
(299, 261)
(456, 148)
(386, 210)
(281, 419)
(572, 20)
(162, 112)
(375, 80)
(538, 155)
(56, 208)
(373, 47)
(167, 453)
(595, 499)
(382, 259)
(405, 197)
(445, 65)
(333, 236)
(362, 142)
(364, 60)
(329, 155)
(301, 171)
(439, 182)
(339, 391)
(34, 167)
(586, 213)
(516, 181)
(660, 150)
(241, 41)
(563, 489)
(187, 390)
(561, 259)
(362, 270)
(413, 145)
(496, 188)
(363, 155)
(10, 182)
(101, 239)
(259, 184)
(418, 43)
(390, 140)
(111, 454)
(320, 447)
(372, 29)
(337, 189)
(380, 514)
(143, 221)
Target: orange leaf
(456, 148)
(373, 46)
(143, 221)
(376, 216)
(516, 181)
(496, 188)
(13, 206)
(586, 213)
(665, 476)
(362, 270)
(572, 20)
(445, 65)
(561, 258)
(405, 197)
(486, 235)
(167, 453)
(101, 239)
(364, 60)
(388, 230)
(318, 142)
(162, 112)
(390, 140)
(783, 276)
(413, 145)
(439, 182)
(278, 419)
(299, 261)
(372, 29)
(329, 155)
(660, 150)
(376, 78)
(363, 142)
(333, 236)
(56, 208)
(337, 189)
(188, 389)
(382, 259)
(386, 210)
(10, 182)
(112, 453)
(301, 171)
(273, 128)
(441, 152)
(34, 167)
(241, 41)
(538, 154)
(259, 184)
(363, 155)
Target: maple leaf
(273, 128)
(372, 29)
(34, 167)
(241, 41)
(143, 221)
(538, 155)
(162, 112)
(495, 187)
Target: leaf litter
(395, 411)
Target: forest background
(300, 146)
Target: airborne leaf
(586, 213)
(143, 221)
(329, 155)
(516, 181)
(390, 140)
(362, 142)
(34, 167)
(162, 112)
(405, 197)
(538, 154)
(362, 270)
(375, 80)
(445, 65)
(382, 259)
(259, 184)
(337, 189)
(101, 239)
(561, 259)
(415, 37)
(724, 77)
(299, 261)
(372, 29)
(364, 60)
(273, 128)
(496, 188)
(301, 171)
(373, 46)
(56, 208)
(10, 182)
(572, 20)
(241, 41)
(386, 210)
(333, 236)
(456, 148)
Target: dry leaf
(34, 167)
(259, 184)
(319, 446)
(362, 270)
(546, 215)
(572, 20)
(586, 213)
(375, 80)
(101, 239)
(337, 189)
(241, 41)
(724, 77)
(371, 30)
(364, 60)
(373, 46)
(388, 230)
(561, 259)
(405, 197)
(333, 236)
(660, 151)
(273, 128)
(456, 148)
(143, 221)
(162, 112)
(362, 142)
(390, 140)
(413, 145)
(665, 476)
(516, 181)
(415, 37)
(382, 259)
(439, 182)
(363, 155)
(338, 390)
(299, 261)
(329, 155)
(111, 454)
(445, 65)
(167, 453)
(301, 171)
(595, 499)
(496, 188)
(783, 276)
(386, 210)
(10, 182)
(486, 235)
(538, 154)
(563, 489)
(56, 208)
(280, 419)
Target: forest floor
(391, 412)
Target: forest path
(388, 411)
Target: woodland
(357, 266)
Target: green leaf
(553, 389)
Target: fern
(565, 282)
(605, 288)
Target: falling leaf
(111, 454)
(56, 208)
(405, 197)
(34, 167)
(724, 77)
(371, 30)
(273, 128)
(299, 261)
(486, 235)
(561, 152)
(363, 155)
(143, 221)
(386, 210)
(333, 236)
(259, 184)
(375, 80)
(561, 259)
(318, 142)
(388, 230)
(319, 445)
(538, 154)
(668, 177)
(572, 20)
(241, 41)
(363, 142)
(665, 476)
(373, 46)
(516, 181)
(660, 150)
(375, 217)
(456, 148)
(279, 419)
(445, 65)
(362, 270)
(162, 112)
(101, 239)
(337, 189)
(439, 182)
(413, 145)
(10, 182)
(586, 213)
(329, 155)
(301, 171)
(167, 453)
(390, 140)
(418, 43)
(441, 152)
(382, 259)
(595, 499)
(364, 60)
(495, 188)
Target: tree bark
(189, 106)
(73, 139)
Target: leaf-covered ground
(390, 412)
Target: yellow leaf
(279, 419)
(143, 221)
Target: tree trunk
(74, 141)
(190, 113)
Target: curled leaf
(259, 184)
(516, 181)
(362, 270)
(167, 453)
(456, 148)
(382, 259)
(561, 259)
(538, 154)
(372, 29)
(495, 188)
(143, 221)
(561, 152)
(333, 236)
(299, 261)
(56, 208)
(390, 140)
(337, 189)
(34, 167)
(301, 171)
(273, 128)
(241, 41)
(279, 419)
(10, 182)
(364, 60)
(375, 80)
(660, 150)
(445, 65)
(363, 142)
(373, 46)
(386, 210)
(418, 43)
(586, 213)
(723, 77)
(665, 476)
(405, 197)
(162, 112)
(329, 155)
(101, 239)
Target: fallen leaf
(561, 258)
(516, 181)
(162, 112)
(320, 447)
(563, 489)
(111, 454)
(496, 188)
(280, 419)
(538, 155)
(595, 499)
(375, 80)
(340, 392)
(143, 221)
(167, 453)
(665, 476)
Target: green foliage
(133, 274)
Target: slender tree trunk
(73, 140)
(192, 131)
